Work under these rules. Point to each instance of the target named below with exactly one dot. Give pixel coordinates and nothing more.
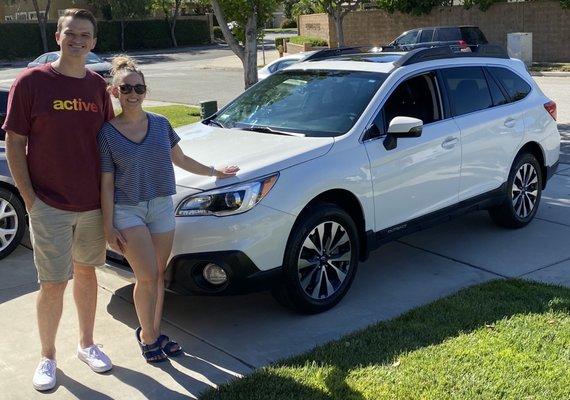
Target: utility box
(519, 45)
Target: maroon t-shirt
(61, 116)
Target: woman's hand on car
(226, 172)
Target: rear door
(491, 128)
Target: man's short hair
(80, 14)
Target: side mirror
(402, 127)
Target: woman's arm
(112, 235)
(189, 164)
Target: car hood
(256, 154)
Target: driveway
(229, 336)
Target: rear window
(473, 35)
(515, 86)
(447, 34)
(468, 90)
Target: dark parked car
(3, 106)
(93, 62)
(12, 210)
(461, 36)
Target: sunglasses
(125, 88)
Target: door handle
(449, 143)
(510, 122)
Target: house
(24, 11)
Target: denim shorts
(156, 214)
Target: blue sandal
(170, 347)
(152, 353)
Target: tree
(338, 9)
(302, 7)
(42, 19)
(249, 18)
(171, 10)
(123, 10)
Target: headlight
(227, 201)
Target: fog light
(214, 274)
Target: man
(55, 112)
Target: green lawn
(500, 340)
(178, 115)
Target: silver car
(93, 62)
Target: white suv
(350, 150)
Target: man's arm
(17, 161)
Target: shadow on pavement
(564, 130)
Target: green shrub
(313, 41)
(23, 40)
(218, 33)
(288, 23)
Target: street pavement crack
(455, 260)
(546, 266)
(175, 325)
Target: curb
(551, 74)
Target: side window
(497, 94)
(41, 59)
(447, 34)
(468, 90)
(51, 58)
(515, 86)
(408, 38)
(417, 97)
(285, 64)
(426, 35)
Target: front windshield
(311, 102)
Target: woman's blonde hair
(124, 63)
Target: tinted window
(468, 90)
(416, 97)
(515, 86)
(473, 36)
(316, 103)
(496, 93)
(285, 64)
(407, 38)
(52, 57)
(447, 34)
(41, 59)
(426, 35)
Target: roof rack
(338, 51)
(438, 53)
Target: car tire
(318, 274)
(524, 190)
(12, 222)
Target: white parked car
(341, 154)
(282, 63)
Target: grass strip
(178, 114)
(506, 339)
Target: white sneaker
(95, 358)
(44, 377)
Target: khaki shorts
(60, 238)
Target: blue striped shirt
(143, 171)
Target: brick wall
(547, 20)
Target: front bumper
(185, 272)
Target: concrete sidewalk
(225, 337)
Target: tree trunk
(228, 35)
(339, 31)
(172, 24)
(122, 35)
(42, 22)
(250, 62)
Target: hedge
(309, 40)
(23, 40)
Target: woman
(137, 181)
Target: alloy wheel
(8, 223)
(324, 260)
(525, 190)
